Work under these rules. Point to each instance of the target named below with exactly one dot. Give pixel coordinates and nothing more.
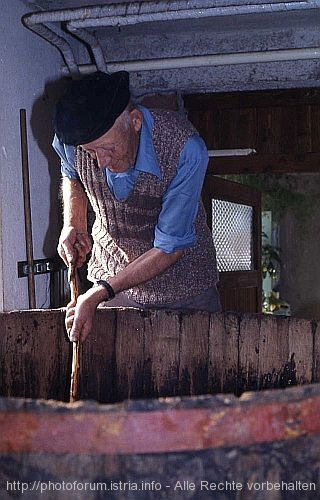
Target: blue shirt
(175, 227)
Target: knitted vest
(123, 230)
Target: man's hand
(74, 243)
(79, 317)
(74, 246)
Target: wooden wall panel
(247, 127)
(315, 128)
(286, 140)
(282, 126)
(304, 128)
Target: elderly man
(142, 172)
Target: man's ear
(136, 119)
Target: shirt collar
(147, 160)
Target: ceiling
(189, 46)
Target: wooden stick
(75, 370)
(27, 208)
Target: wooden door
(240, 288)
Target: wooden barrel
(174, 426)
(134, 354)
(263, 445)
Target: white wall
(27, 64)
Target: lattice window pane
(232, 235)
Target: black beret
(91, 106)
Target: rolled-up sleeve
(175, 228)
(66, 154)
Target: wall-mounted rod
(209, 60)
(231, 152)
(27, 208)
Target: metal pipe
(137, 12)
(231, 152)
(195, 7)
(126, 18)
(94, 44)
(210, 60)
(58, 41)
(27, 208)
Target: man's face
(117, 148)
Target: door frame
(235, 283)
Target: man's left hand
(80, 316)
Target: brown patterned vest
(123, 230)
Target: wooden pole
(27, 208)
(75, 370)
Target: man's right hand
(73, 246)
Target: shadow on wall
(42, 129)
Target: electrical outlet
(39, 266)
